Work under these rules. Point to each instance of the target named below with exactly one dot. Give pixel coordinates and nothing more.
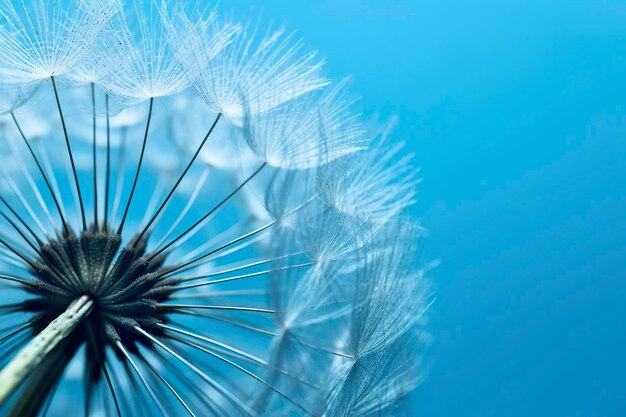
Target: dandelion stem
(14, 373)
(69, 151)
(141, 155)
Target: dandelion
(157, 258)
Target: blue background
(516, 111)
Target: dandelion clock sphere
(194, 222)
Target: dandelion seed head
(195, 222)
(124, 289)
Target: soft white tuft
(305, 132)
(43, 38)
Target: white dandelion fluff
(376, 184)
(304, 132)
(140, 60)
(192, 223)
(44, 38)
(264, 71)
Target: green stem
(36, 351)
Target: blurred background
(516, 111)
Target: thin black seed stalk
(45, 160)
(119, 184)
(123, 399)
(218, 249)
(216, 307)
(201, 395)
(190, 202)
(325, 350)
(236, 353)
(210, 212)
(179, 180)
(213, 342)
(88, 391)
(111, 389)
(69, 151)
(24, 203)
(17, 252)
(223, 319)
(120, 346)
(237, 268)
(215, 239)
(143, 150)
(219, 388)
(13, 346)
(108, 161)
(218, 293)
(20, 232)
(168, 385)
(31, 182)
(95, 163)
(183, 266)
(19, 218)
(43, 173)
(46, 406)
(243, 276)
(247, 372)
(16, 331)
(10, 327)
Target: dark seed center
(126, 285)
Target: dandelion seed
(304, 132)
(264, 72)
(44, 38)
(370, 184)
(242, 252)
(138, 56)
